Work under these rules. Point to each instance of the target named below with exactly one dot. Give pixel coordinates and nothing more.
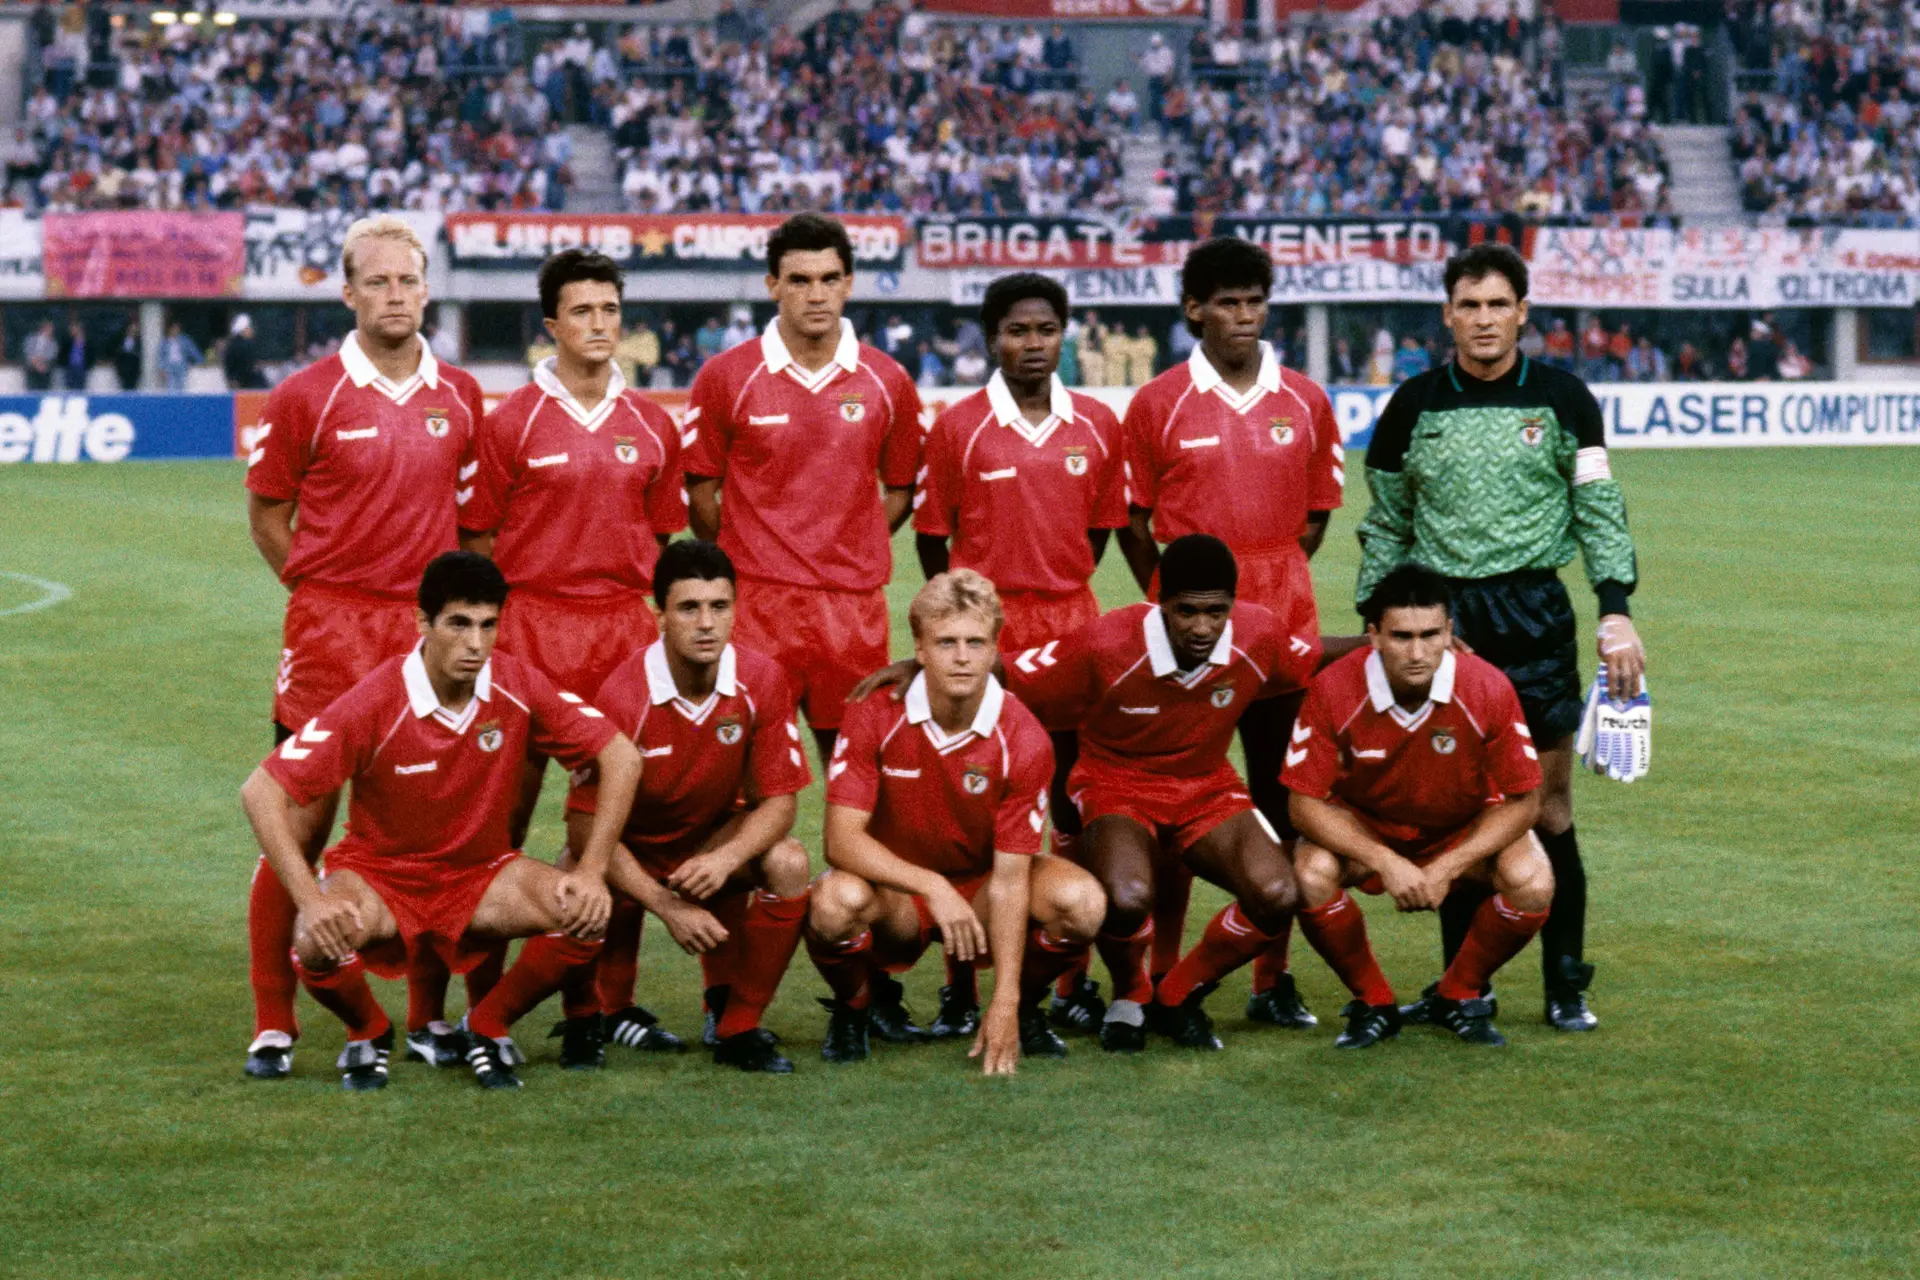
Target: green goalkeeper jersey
(1473, 479)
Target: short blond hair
(381, 226)
(956, 591)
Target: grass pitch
(1749, 1106)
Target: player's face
(1029, 341)
(1195, 620)
(586, 322)
(698, 620)
(1231, 322)
(1486, 317)
(812, 290)
(459, 641)
(957, 652)
(1411, 641)
(388, 292)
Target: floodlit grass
(1749, 1106)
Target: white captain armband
(1590, 465)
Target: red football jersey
(797, 453)
(1245, 469)
(372, 464)
(576, 497)
(946, 803)
(1017, 499)
(1117, 679)
(1412, 774)
(429, 786)
(698, 760)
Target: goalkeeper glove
(1616, 738)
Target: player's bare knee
(1271, 903)
(785, 867)
(1075, 908)
(841, 906)
(1524, 876)
(1318, 873)
(1129, 903)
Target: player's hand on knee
(1439, 885)
(997, 1043)
(694, 929)
(585, 904)
(701, 876)
(333, 924)
(1407, 885)
(895, 675)
(960, 929)
(1625, 657)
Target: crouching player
(433, 744)
(936, 806)
(1412, 771)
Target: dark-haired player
(350, 492)
(1492, 470)
(1413, 771)
(1231, 444)
(1023, 482)
(802, 428)
(1156, 691)
(576, 484)
(935, 808)
(433, 744)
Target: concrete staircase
(1703, 182)
(596, 174)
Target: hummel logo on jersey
(1031, 660)
(1202, 443)
(1301, 732)
(1444, 741)
(1298, 645)
(1222, 697)
(974, 781)
(429, 767)
(766, 419)
(1141, 711)
(1295, 756)
(625, 450)
(654, 753)
(1378, 753)
(1005, 473)
(364, 433)
(311, 735)
(490, 737)
(891, 772)
(730, 731)
(437, 423)
(551, 460)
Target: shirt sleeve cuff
(1613, 598)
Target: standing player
(935, 808)
(1025, 478)
(364, 448)
(1231, 444)
(1492, 470)
(796, 427)
(1156, 690)
(576, 484)
(1412, 769)
(433, 744)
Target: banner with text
(142, 254)
(651, 242)
(293, 254)
(1068, 10)
(1733, 268)
(20, 273)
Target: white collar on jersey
(549, 382)
(661, 688)
(1207, 378)
(920, 706)
(1380, 693)
(1007, 413)
(425, 703)
(361, 370)
(773, 349)
(1160, 645)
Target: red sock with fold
(618, 970)
(427, 979)
(270, 914)
(1338, 931)
(1063, 986)
(1230, 941)
(1044, 960)
(542, 967)
(1497, 935)
(763, 949)
(847, 966)
(1173, 890)
(343, 991)
(1126, 960)
(481, 977)
(1271, 963)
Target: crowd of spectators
(1836, 135)
(418, 110)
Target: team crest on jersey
(1076, 460)
(1444, 742)
(1533, 430)
(1222, 697)
(974, 781)
(730, 730)
(489, 738)
(1281, 430)
(437, 426)
(853, 407)
(626, 450)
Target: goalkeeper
(1492, 470)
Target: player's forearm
(271, 524)
(1495, 829)
(703, 507)
(270, 812)
(625, 873)
(1007, 894)
(852, 850)
(1339, 832)
(619, 768)
(897, 502)
(932, 550)
(1141, 551)
(764, 826)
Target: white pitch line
(52, 593)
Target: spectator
(1069, 370)
(710, 339)
(1380, 363)
(1180, 341)
(933, 371)
(75, 359)
(178, 353)
(1559, 346)
(1341, 367)
(1763, 350)
(440, 342)
(1411, 360)
(896, 338)
(40, 353)
(1619, 347)
(1061, 61)
(638, 354)
(126, 360)
(1737, 360)
(1793, 365)
(1533, 344)
(241, 358)
(1594, 342)
(970, 367)
(1689, 366)
(1093, 352)
(739, 330)
(1639, 361)
(1124, 106)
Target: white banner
(292, 254)
(1732, 268)
(1359, 280)
(1086, 286)
(1691, 415)
(21, 274)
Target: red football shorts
(969, 888)
(1179, 811)
(576, 642)
(1416, 846)
(827, 641)
(431, 903)
(331, 638)
(1035, 617)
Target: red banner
(1067, 10)
(137, 254)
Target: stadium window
(1887, 335)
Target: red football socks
(538, 973)
(427, 979)
(1126, 960)
(1230, 941)
(847, 966)
(481, 977)
(343, 991)
(1497, 936)
(270, 916)
(1172, 891)
(618, 969)
(763, 948)
(1045, 959)
(1063, 986)
(1338, 931)
(1271, 963)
